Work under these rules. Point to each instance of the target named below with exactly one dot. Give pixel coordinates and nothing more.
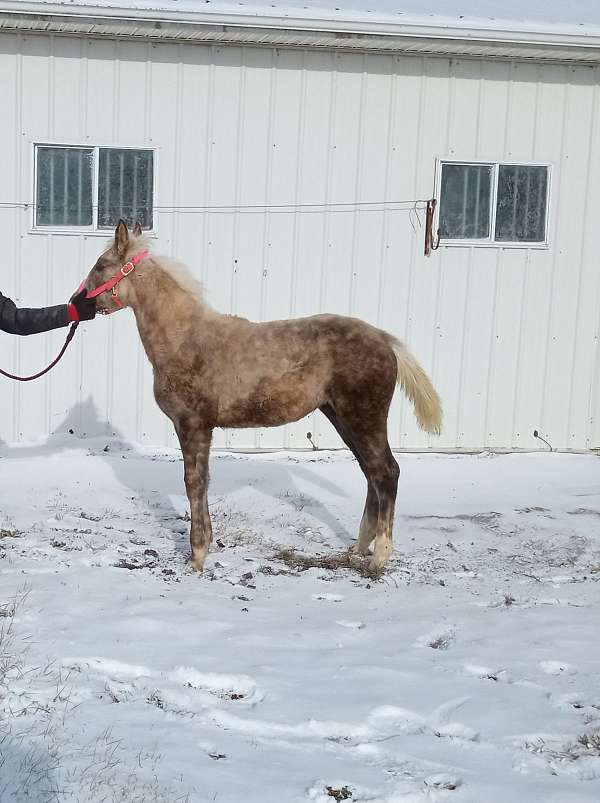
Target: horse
(217, 370)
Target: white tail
(416, 384)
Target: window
(64, 187)
(493, 203)
(84, 187)
(124, 187)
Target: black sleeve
(31, 321)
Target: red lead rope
(69, 337)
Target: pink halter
(111, 284)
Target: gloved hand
(84, 308)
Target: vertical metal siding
(510, 336)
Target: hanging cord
(70, 335)
(431, 243)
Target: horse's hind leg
(370, 445)
(195, 445)
(368, 522)
(385, 473)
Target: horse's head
(110, 265)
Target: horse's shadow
(157, 484)
(284, 480)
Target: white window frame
(93, 229)
(490, 242)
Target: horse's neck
(161, 306)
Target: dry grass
(7, 611)
(587, 745)
(299, 562)
(590, 743)
(5, 533)
(39, 759)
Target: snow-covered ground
(469, 672)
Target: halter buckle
(127, 268)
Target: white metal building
(279, 150)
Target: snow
(577, 17)
(468, 673)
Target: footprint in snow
(443, 780)
(590, 706)
(183, 689)
(391, 720)
(231, 687)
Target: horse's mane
(177, 270)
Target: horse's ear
(137, 230)
(121, 237)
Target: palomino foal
(213, 370)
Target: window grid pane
(521, 203)
(125, 181)
(465, 201)
(64, 186)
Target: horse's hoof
(197, 564)
(376, 567)
(356, 550)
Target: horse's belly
(265, 410)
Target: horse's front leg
(195, 445)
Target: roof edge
(355, 34)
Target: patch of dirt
(148, 560)
(339, 794)
(300, 562)
(66, 547)
(272, 572)
(156, 699)
(89, 517)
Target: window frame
(92, 230)
(490, 242)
